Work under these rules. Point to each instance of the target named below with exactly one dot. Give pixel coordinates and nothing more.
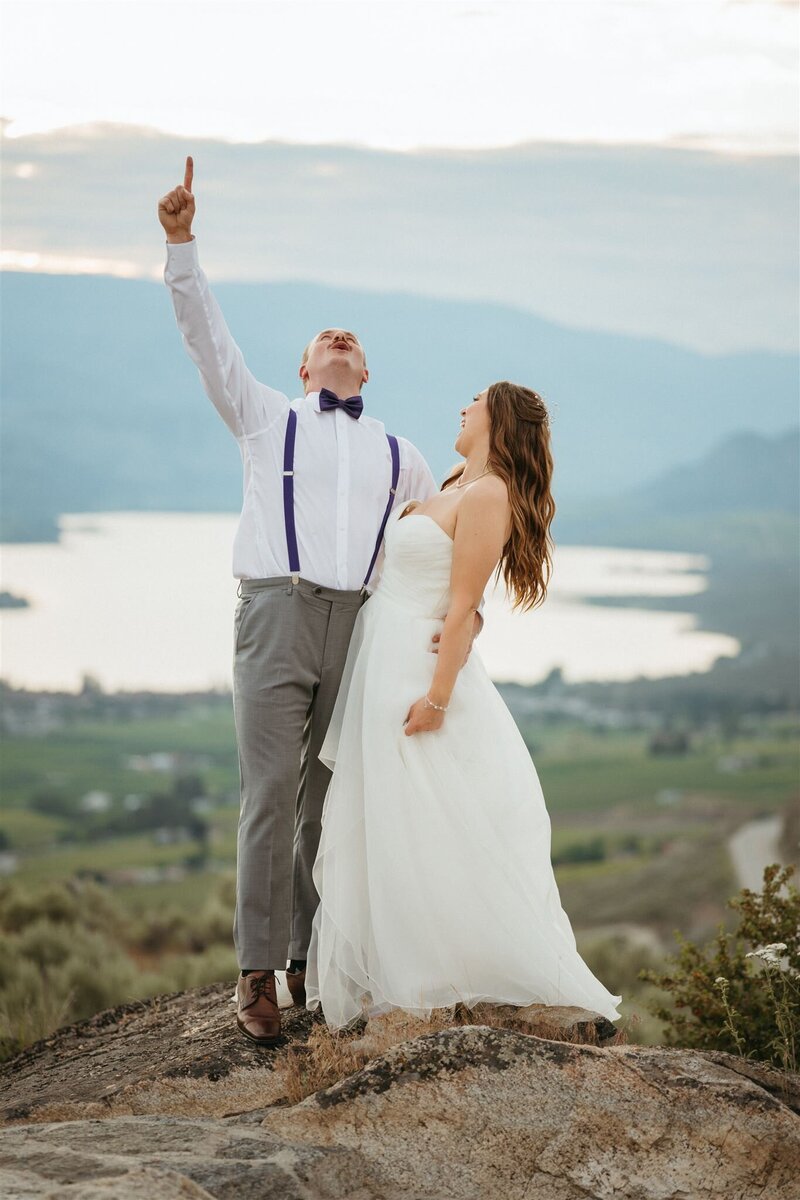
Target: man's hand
(437, 637)
(176, 209)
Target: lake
(145, 601)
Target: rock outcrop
(182, 1054)
(467, 1111)
(165, 1099)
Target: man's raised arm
(245, 405)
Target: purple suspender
(395, 476)
(288, 498)
(288, 495)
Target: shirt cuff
(182, 252)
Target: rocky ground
(164, 1098)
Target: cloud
(405, 76)
(69, 264)
(683, 244)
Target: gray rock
(164, 1157)
(182, 1054)
(472, 1110)
(184, 1041)
(173, 1102)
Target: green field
(596, 784)
(580, 769)
(638, 842)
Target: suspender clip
(295, 577)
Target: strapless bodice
(416, 567)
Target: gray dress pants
(290, 646)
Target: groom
(320, 478)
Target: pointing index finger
(187, 178)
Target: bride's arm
(452, 475)
(480, 536)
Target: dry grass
(328, 1056)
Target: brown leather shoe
(296, 983)
(257, 1012)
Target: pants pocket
(243, 606)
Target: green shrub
(29, 1010)
(593, 850)
(742, 992)
(159, 932)
(20, 909)
(69, 902)
(68, 950)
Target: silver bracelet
(441, 707)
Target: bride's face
(474, 424)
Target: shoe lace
(260, 985)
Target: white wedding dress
(433, 868)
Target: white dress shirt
(343, 466)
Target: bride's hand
(421, 718)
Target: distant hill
(738, 504)
(741, 497)
(745, 471)
(102, 409)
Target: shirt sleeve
(416, 478)
(245, 405)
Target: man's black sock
(246, 971)
(297, 964)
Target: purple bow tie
(353, 405)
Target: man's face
(335, 348)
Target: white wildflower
(772, 956)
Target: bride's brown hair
(519, 452)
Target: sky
(629, 167)
(402, 76)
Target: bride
(433, 869)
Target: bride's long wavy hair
(519, 452)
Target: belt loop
(239, 589)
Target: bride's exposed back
(433, 869)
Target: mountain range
(102, 409)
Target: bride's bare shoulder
(490, 490)
(485, 502)
(492, 485)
